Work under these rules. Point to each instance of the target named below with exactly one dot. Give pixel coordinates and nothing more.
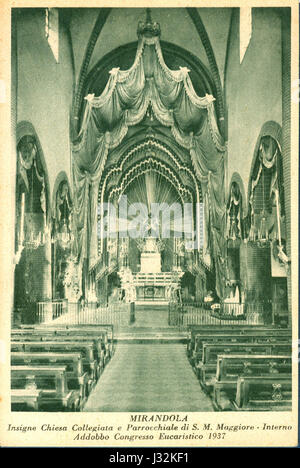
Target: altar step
(143, 337)
(139, 340)
(146, 335)
(152, 303)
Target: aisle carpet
(148, 377)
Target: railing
(51, 310)
(258, 313)
(118, 313)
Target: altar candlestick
(278, 216)
(22, 218)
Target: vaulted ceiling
(119, 27)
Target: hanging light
(64, 236)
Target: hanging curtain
(25, 165)
(123, 103)
(269, 151)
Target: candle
(22, 218)
(278, 216)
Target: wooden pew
(100, 354)
(45, 331)
(86, 349)
(230, 367)
(257, 337)
(264, 393)
(52, 381)
(23, 399)
(77, 379)
(99, 335)
(86, 328)
(93, 330)
(244, 331)
(194, 330)
(206, 368)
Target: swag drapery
(123, 103)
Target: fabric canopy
(123, 103)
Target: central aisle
(148, 377)
(151, 316)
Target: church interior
(152, 244)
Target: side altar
(150, 284)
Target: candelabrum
(32, 241)
(65, 237)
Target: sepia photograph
(149, 213)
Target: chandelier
(65, 237)
(34, 241)
(33, 237)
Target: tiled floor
(148, 377)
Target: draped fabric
(25, 164)
(269, 151)
(123, 103)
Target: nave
(152, 210)
(102, 368)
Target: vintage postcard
(149, 223)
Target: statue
(71, 281)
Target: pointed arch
(25, 128)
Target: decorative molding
(148, 164)
(148, 144)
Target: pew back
(47, 378)
(194, 330)
(264, 392)
(71, 361)
(23, 399)
(196, 355)
(87, 328)
(230, 367)
(44, 332)
(211, 351)
(86, 348)
(99, 347)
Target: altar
(150, 284)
